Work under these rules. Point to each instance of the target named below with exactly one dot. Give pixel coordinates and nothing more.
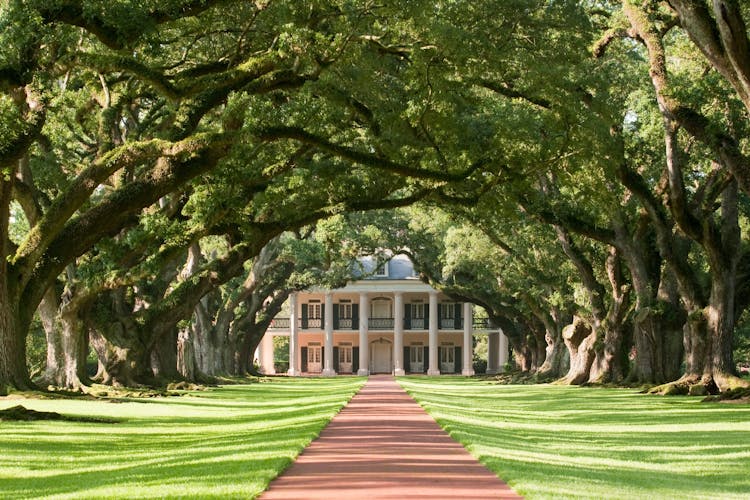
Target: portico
(392, 323)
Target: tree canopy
(174, 168)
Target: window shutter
(355, 316)
(458, 309)
(335, 359)
(458, 360)
(427, 316)
(304, 358)
(335, 317)
(355, 359)
(322, 317)
(305, 315)
(407, 316)
(426, 364)
(407, 359)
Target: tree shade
(166, 166)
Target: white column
(266, 355)
(398, 334)
(433, 335)
(493, 349)
(503, 354)
(294, 350)
(328, 370)
(468, 350)
(364, 318)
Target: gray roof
(399, 267)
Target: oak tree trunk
(579, 338)
(611, 359)
(13, 370)
(67, 340)
(186, 362)
(164, 359)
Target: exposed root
(727, 382)
(185, 386)
(740, 395)
(694, 385)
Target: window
(382, 269)
(447, 353)
(314, 311)
(417, 311)
(381, 307)
(447, 311)
(345, 311)
(416, 353)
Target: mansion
(388, 322)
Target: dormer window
(382, 270)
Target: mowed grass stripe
(572, 442)
(227, 442)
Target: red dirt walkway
(383, 445)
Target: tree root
(693, 385)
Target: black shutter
(322, 317)
(304, 358)
(335, 359)
(426, 364)
(355, 316)
(304, 316)
(407, 316)
(458, 361)
(458, 310)
(322, 357)
(335, 317)
(426, 319)
(407, 359)
(355, 359)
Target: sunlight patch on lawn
(225, 442)
(572, 442)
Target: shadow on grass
(570, 442)
(173, 447)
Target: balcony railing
(279, 323)
(312, 323)
(417, 324)
(380, 323)
(447, 324)
(482, 324)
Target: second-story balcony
(447, 323)
(482, 324)
(416, 324)
(316, 323)
(279, 324)
(380, 323)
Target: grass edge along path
(227, 442)
(571, 442)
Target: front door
(447, 359)
(345, 359)
(380, 357)
(314, 359)
(416, 359)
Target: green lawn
(572, 442)
(228, 442)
